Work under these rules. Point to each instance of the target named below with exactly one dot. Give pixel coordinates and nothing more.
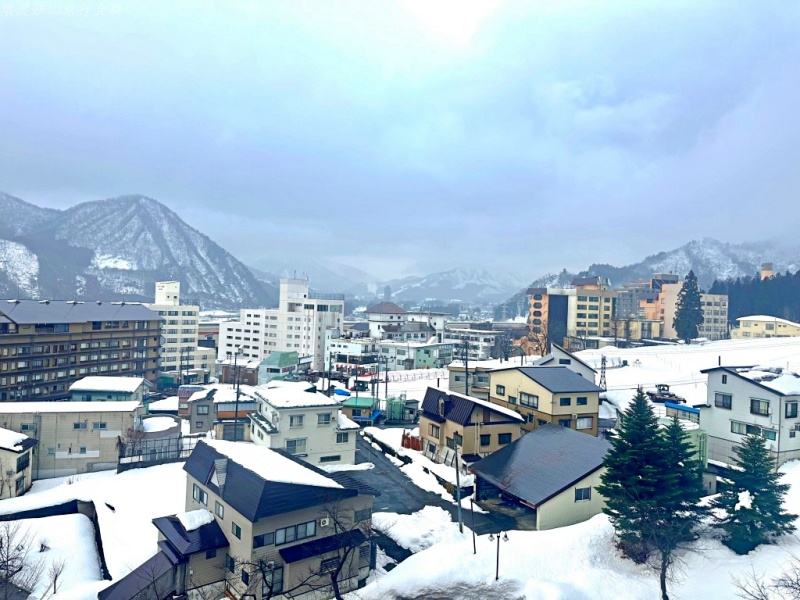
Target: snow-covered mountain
(710, 259)
(118, 248)
(465, 285)
(325, 275)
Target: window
(564, 361)
(20, 485)
(342, 437)
(27, 427)
(564, 401)
(565, 422)
(584, 423)
(746, 429)
(295, 532)
(324, 419)
(486, 439)
(82, 450)
(236, 530)
(434, 431)
(356, 412)
(450, 443)
(23, 462)
(296, 446)
(199, 495)
(582, 401)
(791, 410)
(296, 420)
(504, 438)
(230, 563)
(530, 400)
(723, 400)
(79, 426)
(330, 459)
(198, 424)
(458, 439)
(273, 582)
(724, 379)
(264, 539)
(511, 400)
(99, 425)
(328, 564)
(245, 577)
(211, 554)
(759, 407)
(202, 410)
(219, 509)
(582, 494)
(500, 390)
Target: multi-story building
(299, 324)
(751, 402)
(46, 346)
(763, 326)
(74, 437)
(367, 355)
(180, 353)
(544, 395)
(223, 408)
(16, 475)
(384, 318)
(305, 423)
(483, 344)
(715, 312)
(258, 524)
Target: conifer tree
(688, 309)
(753, 502)
(632, 483)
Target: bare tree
(54, 572)
(18, 565)
(754, 586)
(133, 442)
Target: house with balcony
(258, 524)
(295, 418)
(751, 401)
(451, 422)
(544, 395)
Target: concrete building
(474, 428)
(483, 344)
(305, 423)
(299, 324)
(16, 474)
(763, 326)
(181, 356)
(715, 312)
(258, 524)
(216, 408)
(74, 437)
(544, 395)
(46, 346)
(383, 318)
(110, 389)
(751, 402)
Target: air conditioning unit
(324, 521)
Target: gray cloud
(556, 135)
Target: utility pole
(465, 358)
(458, 490)
(237, 382)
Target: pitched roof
(385, 308)
(259, 481)
(185, 543)
(543, 463)
(281, 359)
(764, 385)
(15, 442)
(138, 581)
(458, 407)
(559, 380)
(33, 312)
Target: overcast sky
(418, 135)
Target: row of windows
(757, 406)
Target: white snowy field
(126, 503)
(680, 365)
(578, 562)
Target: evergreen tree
(688, 309)
(752, 503)
(632, 483)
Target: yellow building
(763, 326)
(548, 395)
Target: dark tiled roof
(543, 463)
(559, 380)
(205, 537)
(349, 482)
(457, 408)
(352, 538)
(252, 495)
(362, 326)
(415, 326)
(28, 312)
(139, 580)
(385, 308)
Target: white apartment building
(298, 324)
(303, 422)
(482, 342)
(179, 330)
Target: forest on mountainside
(777, 296)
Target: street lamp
(491, 539)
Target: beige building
(16, 450)
(715, 312)
(545, 395)
(763, 326)
(551, 473)
(473, 428)
(74, 437)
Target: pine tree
(632, 484)
(688, 309)
(753, 502)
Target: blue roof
(682, 407)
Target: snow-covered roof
(270, 465)
(495, 407)
(68, 407)
(154, 424)
(225, 392)
(786, 383)
(344, 423)
(768, 319)
(107, 384)
(294, 397)
(194, 519)
(11, 440)
(169, 403)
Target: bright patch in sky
(455, 20)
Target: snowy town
(349, 470)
